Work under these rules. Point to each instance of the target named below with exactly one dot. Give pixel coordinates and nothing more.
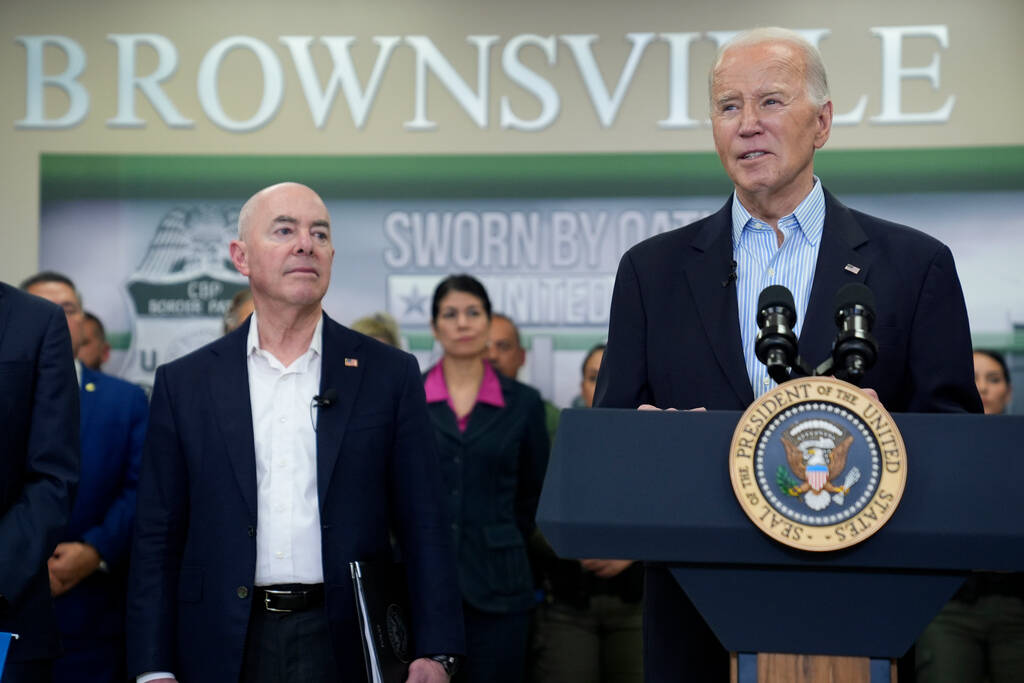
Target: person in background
(979, 635)
(381, 326)
(39, 452)
(494, 450)
(239, 310)
(94, 350)
(506, 353)
(88, 568)
(590, 628)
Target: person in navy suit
(274, 457)
(39, 452)
(683, 313)
(88, 568)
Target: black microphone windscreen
(854, 293)
(330, 396)
(775, 295)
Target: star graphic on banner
(415, 302)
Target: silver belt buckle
(266, 600)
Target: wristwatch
(450, 663)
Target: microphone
(326, 399)
(776, 344)
(855, 350)
(732, 274)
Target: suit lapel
(345, 378)
(87, 398)
(484, 414)
(841, 238)
(443, 419)
(229, 385)
(716, 305)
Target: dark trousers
(974, 642)
(288, 647)
(679, 646)
(495, 647)
(600, 643)
(90, 660)
(31, 671)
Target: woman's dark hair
(459, 283)
(586, 359)
(998, 358)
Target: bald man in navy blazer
(682, 315)
(274, 457)
(39, 452)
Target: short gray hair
(817, 80)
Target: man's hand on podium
(606, 569)
(648, 406)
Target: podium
(654, 486)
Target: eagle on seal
(816, 451)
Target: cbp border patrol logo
(181, 289)
(817, 464)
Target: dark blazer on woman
(492, 475)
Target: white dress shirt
(287, 507)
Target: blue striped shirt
(760, 262)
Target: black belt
(290, 597)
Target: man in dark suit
(683, 315)
(275, 456)
(88, 567)
(38, 472)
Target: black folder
(382, 603)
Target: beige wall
(981, 68)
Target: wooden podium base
(783, 668)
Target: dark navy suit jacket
(194, 552)
(114, 414)
(492, 474)
(674, 339)
(39, 452)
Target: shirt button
(284, 419)
(242, 592)
(279, 555)
(771, 271)
(766, 381)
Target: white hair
(814, 67)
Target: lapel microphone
(326, 399)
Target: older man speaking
(684, 306)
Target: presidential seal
(817, 464)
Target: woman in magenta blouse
(493, 447)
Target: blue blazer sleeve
(37, 371)
(622, 380)
(423, 530)
(112, 537)
(533, 463)
(160, 526)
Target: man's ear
(239, 256)
(824, 124)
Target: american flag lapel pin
(852, 268)
(351, 362)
